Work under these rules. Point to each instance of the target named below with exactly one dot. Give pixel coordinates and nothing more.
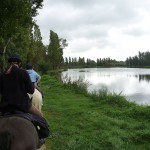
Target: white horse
(37, 99)
(37, 102)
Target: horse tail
(5, 140)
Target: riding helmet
(28, 66)
(14, 58)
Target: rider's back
(14, 86)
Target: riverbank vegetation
(96, 121)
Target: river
(133, 83)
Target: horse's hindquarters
(37, 99)
(22, 132)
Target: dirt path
(42, 148)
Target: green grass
(96, 121)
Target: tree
(38, 47)
(55, 50)
(15, 17)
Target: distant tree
(141, 58)
(66, 61)
(70, 60)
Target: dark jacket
(14, 87)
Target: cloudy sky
(98, 28)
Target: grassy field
(82, 121)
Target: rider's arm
(34, 110)
(28, 84)
(38, 78)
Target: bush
(43, 67)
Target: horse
(17, 133)
(37, 99)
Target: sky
(97, 28)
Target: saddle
(39, 123)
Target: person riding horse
(34, 76)
(15, 83)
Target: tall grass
(80, 85)
(103, 95)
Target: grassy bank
(103, 121)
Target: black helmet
(28, 66)
(14, 58)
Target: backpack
(41, 126)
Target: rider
(34, 76)
(15, 83)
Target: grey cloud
(134, 31)
(71, 19)
(86, 23)
(98, 12)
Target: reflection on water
(134, 83)
(145, 77)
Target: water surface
(134, 83)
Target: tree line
(140, 60)
(88, 63)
